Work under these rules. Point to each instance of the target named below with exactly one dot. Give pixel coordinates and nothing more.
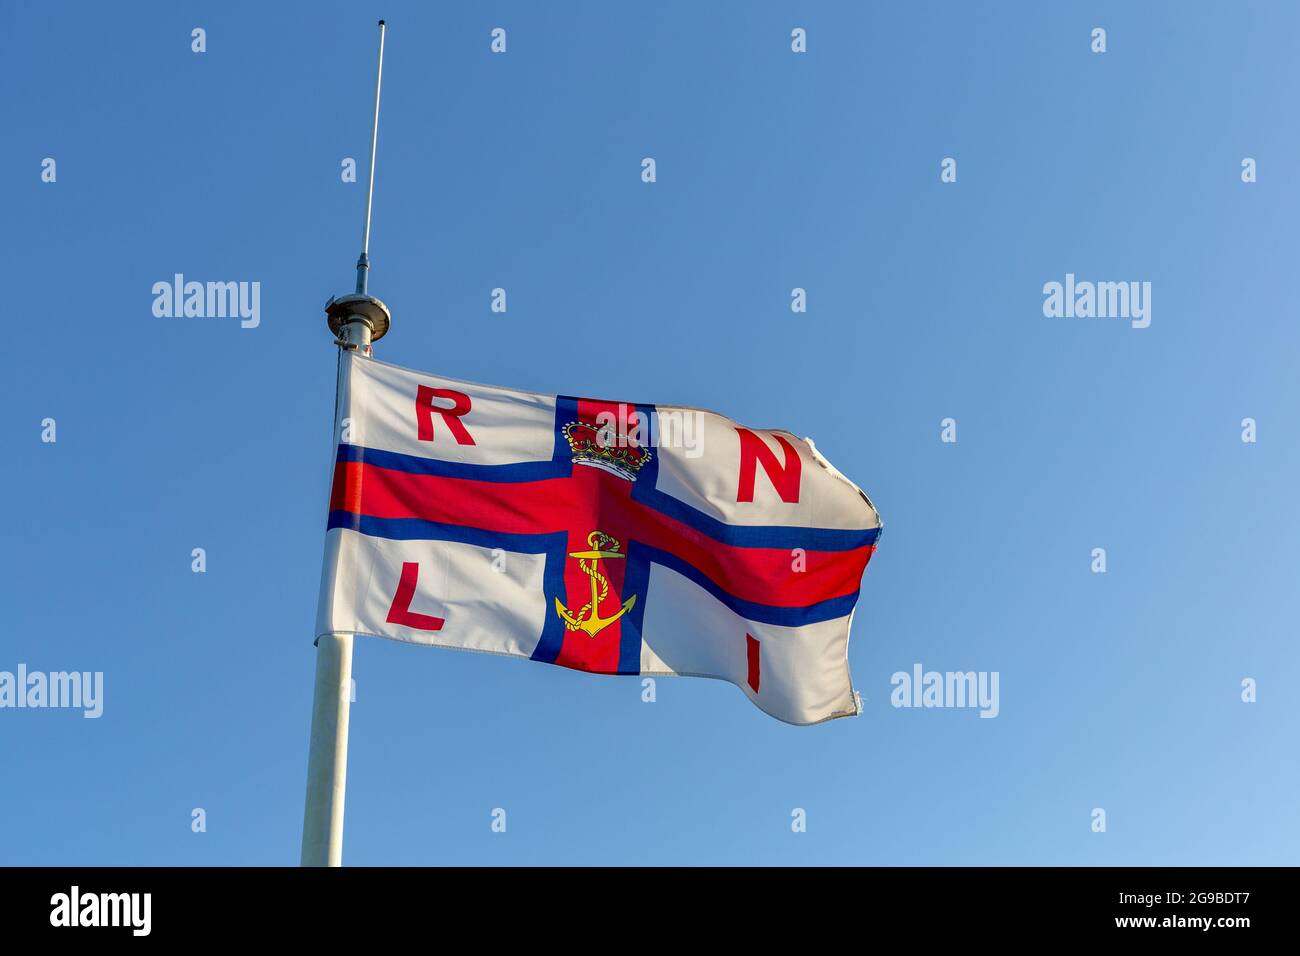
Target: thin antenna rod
(358, 320)
(363, 263)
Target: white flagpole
(327, 760)
(356, 321)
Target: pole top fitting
(340, 310)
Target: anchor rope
(597, 541)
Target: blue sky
(775, 170)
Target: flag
(610, 537)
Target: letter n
(424, 411)
(784, 478)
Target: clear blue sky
(775, 171)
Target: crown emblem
(601, 448)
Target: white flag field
(610, 537)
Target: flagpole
(357, 321)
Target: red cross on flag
(611, 537)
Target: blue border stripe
(552, 639)
(762, 613)
(417, 529)
(636, 580)
(753, 536)
(411, 464)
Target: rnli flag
(611, 537)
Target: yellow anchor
(588, 618)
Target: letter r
(424, 410)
